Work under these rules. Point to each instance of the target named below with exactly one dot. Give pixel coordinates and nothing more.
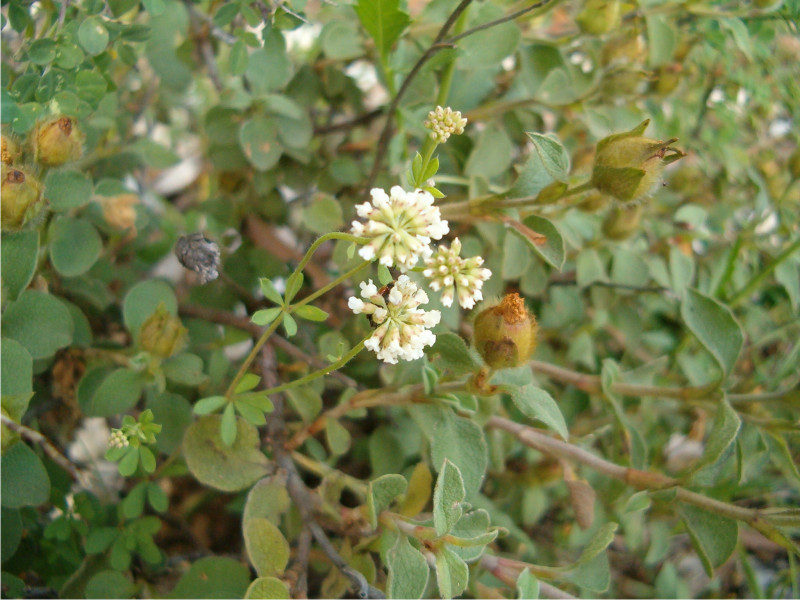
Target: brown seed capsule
(162, 334)
(505, 334)
(201, 255)
(57, 141)
(21, 198)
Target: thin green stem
(252, 355)
(321, 372)
(730, 263)
(329, 287)
(764, 273)
(336, 235)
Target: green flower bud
(593, 202)
(57, 141)
(21, 198)
(505, 334)
(599, 16)
(162, 334)
(622, 221)
(629, 166)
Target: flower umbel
(400, 226)
(451, 273)
(401, 328)
(444, 122)
(118, 439)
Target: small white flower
(444, 122)
(117, 439)
(401, 328)
(452, 274)
(400, 227)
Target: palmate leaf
(383, 20)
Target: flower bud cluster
(450, 273)
(118, 439)
(401, 327)
(444, 122)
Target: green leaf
(259, 400)
(153, 154)
(383, 20)
(269, 291)
(118, 393)
(543, 237)
(19, 253)
(213, 577)
(133, 503)
(268, 499)
(662, 39)
(248, 382)
(237, 60)
(40, 322)
(681, 268)
(337, 436)
(491, 155)
(535, 403)
(66, 190)
(381, 493)
(454, 355)
(23, 477)
(227, 468)
(551, 155)
(258, 139)
(713, 536)
(147, 459)
(42, 52)
(268, 588)
(311, 313)
(185, 369)
(408, 570)
(463, 443)
(471, 534)
(75, 246)
(306, 401)
(209, 405)
(156, 497)
(289, 324)
(129, 463)
(527, 585)
(265, 316)
(593, 575)
(93, 36)
(452, 573)
(109, 584)
(17, 371)
(293, 285)
(143, 299)
(448, 496)
(251, 413)
(341, 40)
(227, 427)
(720, 443)
(269, 68)
(601, 540)
(715, 327)
(323, 215)
(267, 549)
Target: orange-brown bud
(505, 334)
(629, 166)
(57, 141)
(21, 198)
(10, 150)
(119, 211)
(162, 334)
(622, 222)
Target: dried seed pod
(57, 141)
(22, 198)
(162, 334)
(505, 334)
(199, 254)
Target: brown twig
(49, 449)
(364, 119)
(506, 18)
(300, 495)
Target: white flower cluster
(401, 328)
(449, 272)
(118, 439)
(400, 226)
(444, 122)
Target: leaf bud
(599, 16)
(57, 141)
(505, 334)
(21, 198)
(10, 150)
(162, 334)
(629, 166)
(622, 222)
